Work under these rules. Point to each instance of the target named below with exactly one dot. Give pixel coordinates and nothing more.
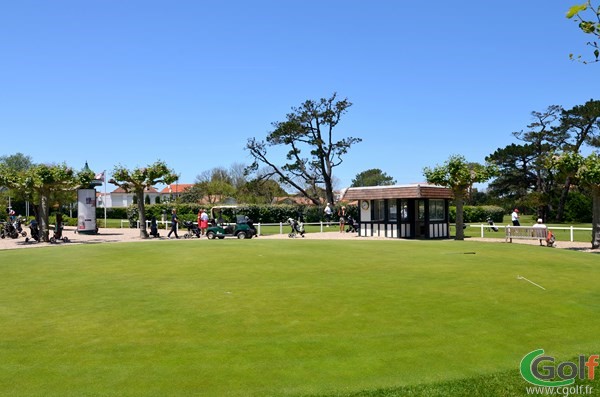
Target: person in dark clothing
(174, 222)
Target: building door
(420, 227)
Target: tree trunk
(596, 216)
(142, 214)
(459, 200)
(43, 218)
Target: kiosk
(86, 206)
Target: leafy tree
(587, 171)
(588, 19)
(580, 125)
(260, 191)
(14, 163)
(313, 151)
(372, 177)
(524, 169)
(17, 162)
(459, 175)
(138, 179)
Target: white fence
(571, 229)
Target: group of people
(328, 212)
(202, 222)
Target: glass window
(378, 210)
(393, 210)
(404, 211)
(421, 210)
(437, 210)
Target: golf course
(294, 317)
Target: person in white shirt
(515, 218)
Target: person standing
(203, 222)
(328, 213)
(342, 215)
(515, 218)
(174, 222)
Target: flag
(100, 176)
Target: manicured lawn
(288, 317)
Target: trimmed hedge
(479, 213)
(263, 213)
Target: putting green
(284, 317)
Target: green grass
(288, 317)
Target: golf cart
(226, 222)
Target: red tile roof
(176, 188)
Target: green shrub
(578, 208)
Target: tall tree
(14, 163)
(313, 151)
(372, 177)
(459, 175)
(17, 162)
(580, 125)
(138, 179)
(588, 19)
(587, 172)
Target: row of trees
(44, 185)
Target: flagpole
(104, 201)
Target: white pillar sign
(86, 211)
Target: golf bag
(13, 229)
(297, 228)
(491, 225)
(58, 233)
(154, 228)
(352, 225)
(34, 231)
(550, 239)
(192, 228)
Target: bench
(526, 233)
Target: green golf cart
(226, 222)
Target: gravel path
(110, 235)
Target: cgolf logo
(538, 369)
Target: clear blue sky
(193, 80)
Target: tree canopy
(587, 172)
(459, 175)
(372, 177)
(138, 179)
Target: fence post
(571, 233)
(321, 226)
(280, 227)
(258, 229)
(481, 230)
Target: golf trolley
(491, 225)
(12, 230)
(297, 228)
(193, 230)
(34, 231)
(58, 234)
(352, 225)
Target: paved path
(112, 235)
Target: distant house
(293, 200)
(174, 190)
(402, 211)
(121, 198)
